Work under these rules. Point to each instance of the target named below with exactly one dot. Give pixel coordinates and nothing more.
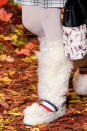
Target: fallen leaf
(4, 16)
(33, 57)
(3, 2)
(5, 79)
(26, 59)
(4, 104)
(23, 51)
(9, 59)
(85, 126)
(11, 72)
(19, 32)
(13, 37)
(85, 109)
(35, 129)
(30, 45)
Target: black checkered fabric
(43, 3)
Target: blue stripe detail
(51, 104)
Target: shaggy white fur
(53, 73)
(53, 76)
(37, 114)
(80, 84)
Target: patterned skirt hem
(53, 5)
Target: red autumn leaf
(23, 51)
(4, 16)
(1, 28)
(3, 2)
(20, 26)
(30, 45)
(6, 43)
(35, 51)
(4, 104)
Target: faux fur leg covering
(80, 84)
(53, 73)
(53, 76)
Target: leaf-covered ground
(18, 79)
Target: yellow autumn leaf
(85, 97)
(14, 109)
(15, 114)
(13, 37)
(7, 38)
(85, 109)
(29, 127)
(13, 92)
(7, 121)
(33, 57)
(19, 32)
(26, 59)
(74, 96)
(1, 36)
(1, 121)
(16, 50)
(9, 127)
(78, 112)
(2, 56)
(42, 125)
(37, 124)
(12, 119)
(5, 74)
(18, 102)
(74, 101)
(5, 112)
(5, 79)
(35, 129)
(2, 96)
(33, 87)
(11, 72)
(2, 126)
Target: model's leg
(52, 59)
(53, 73)
(51, 22)
(31, 21)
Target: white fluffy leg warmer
(53, 76)
(53, 73)
(80, 84)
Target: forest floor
(18, 79)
